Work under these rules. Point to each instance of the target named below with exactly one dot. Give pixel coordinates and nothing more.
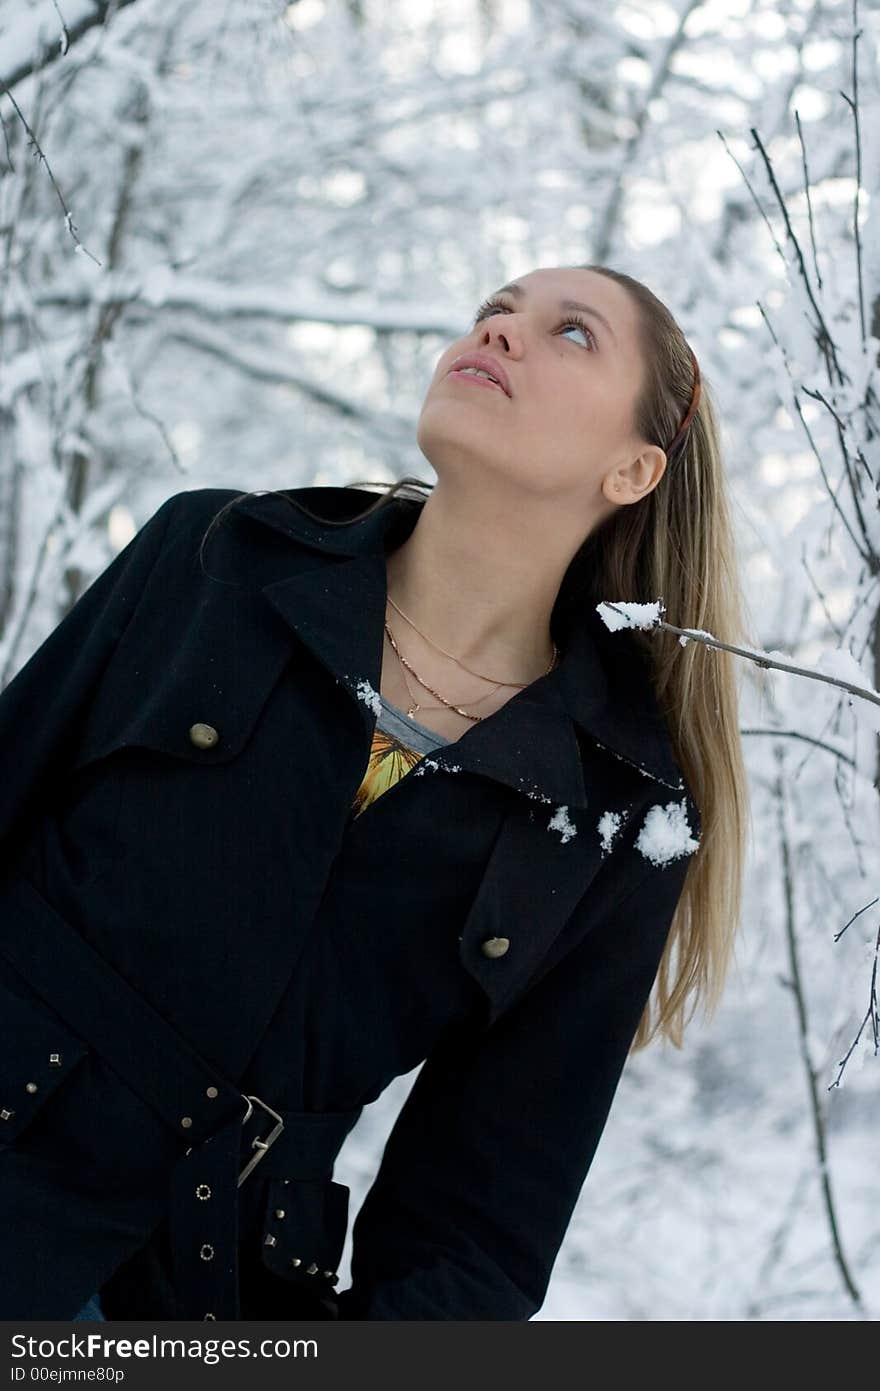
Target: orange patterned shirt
(399, 743)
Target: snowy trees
(233, 240)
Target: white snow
(433, 766)
(427, 764)
(370, 697)
(864, 1051)
(633, 615)
(840, 663)
(560, 822)
(666, 834)
(609, 824)
(538, 797)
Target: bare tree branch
(795, 984)
(33, 41)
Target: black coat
(189, 917)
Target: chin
(445, 430)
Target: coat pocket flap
(203, 711)
(535, 877)
(37, 1053)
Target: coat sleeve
(488, 1155)
(42, 707)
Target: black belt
(295, 1150)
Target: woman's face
(566, 426)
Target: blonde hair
(677, 544)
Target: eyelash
(491, 305)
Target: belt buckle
(259, 1145)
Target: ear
(631, 482)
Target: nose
(502, 329)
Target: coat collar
(337, 608)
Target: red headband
(695, 400)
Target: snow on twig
(631, 615)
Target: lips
(486, 364)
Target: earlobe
(611, 492)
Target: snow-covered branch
(631, 615)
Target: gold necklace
(411, 711)
(519, 684)
(414, 704)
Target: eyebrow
(518, 292)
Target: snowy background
(235, 237)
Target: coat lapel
(334, 599)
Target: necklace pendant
(412, 710)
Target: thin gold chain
(415, 706)
(438, 648)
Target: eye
(495, 306)
(489, 306)
(579, 324)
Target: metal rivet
(186, 1122)
(311, 1269)
(207, 1252)
(270, 1240)
(54, 1059)
(279, 1213)
(6, 1115)
(203, 1191)
(296, 1261)
(212, 1092)
(210, 1316)
(31, 1087)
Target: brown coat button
(495, 946)
(204, 736)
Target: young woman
(301, 795)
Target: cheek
(441, 370)
(571, 408)
(589, 406)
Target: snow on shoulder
(666, 834)
(608, 825)
(561, 822)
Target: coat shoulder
(197, 506)
(196, 518)
(293, 511)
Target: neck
(476, 584)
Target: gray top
(416, 736)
